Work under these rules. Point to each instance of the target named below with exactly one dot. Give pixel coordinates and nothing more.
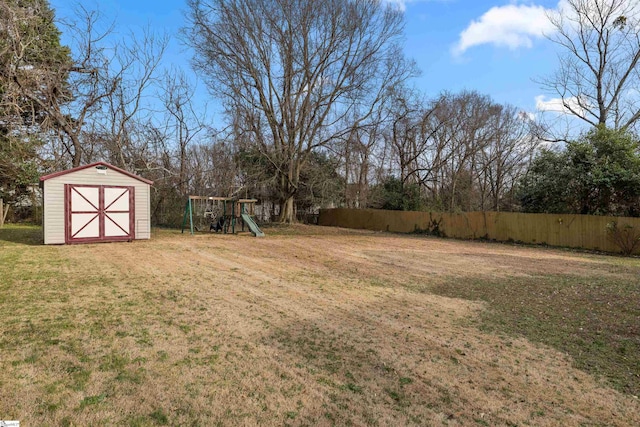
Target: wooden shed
(95, 203)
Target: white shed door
(97, 213)
(85, 212)
(117, 212)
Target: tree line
(319, 111)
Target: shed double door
(98, 213)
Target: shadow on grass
(21, 235)
(593, 319)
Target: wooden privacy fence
(575, 231)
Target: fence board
(575, 231)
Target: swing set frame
(232, 209)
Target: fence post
(1, 213)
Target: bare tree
(356, 153)
(133, 70)
(182, 119)
(294, 69)
(97, 92)
(598, 78)
(502, 161)
(402, 133)
(68, 90)
(461, 130)
(53, 88)
(464, 151)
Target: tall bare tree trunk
(287, 210)
(300, 72)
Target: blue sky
(496, 47)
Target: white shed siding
(54, 200)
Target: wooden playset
(217, 214)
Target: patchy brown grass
(309, 326)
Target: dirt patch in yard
(308, 326)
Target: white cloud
(517, 25)
(558, 105)
(512, 26)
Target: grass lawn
(315, 326)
